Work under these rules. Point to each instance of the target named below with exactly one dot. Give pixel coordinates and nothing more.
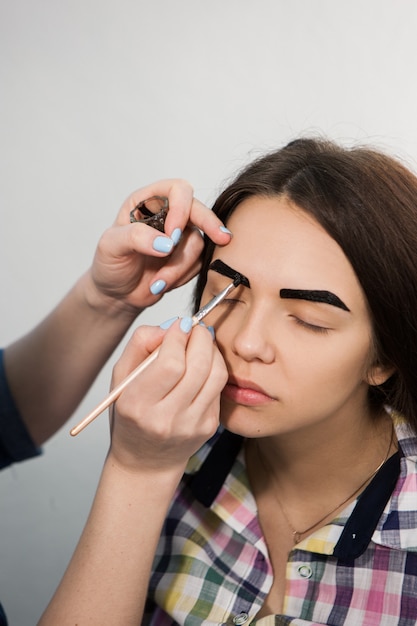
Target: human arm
(157, 423)
(51, 368)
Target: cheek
(223, 333)
(338, 361)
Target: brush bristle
(239, 279)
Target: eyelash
(320, 330)
(231, 301)
(315, 329)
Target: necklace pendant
(296, 537)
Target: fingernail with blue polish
(163, 244)
(186, 324)
(225, 230)
(165, 325)
(176, 236)
(157, 287)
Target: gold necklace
(297, 534)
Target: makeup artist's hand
(93, 317)
(135, 263)
(160, 419)
(172, 408)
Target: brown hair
(367, 202)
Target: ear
(378, 374)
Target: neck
(304, 492)
(318, 458)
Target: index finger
(184, 209)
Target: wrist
(104, 305)
(162, 482)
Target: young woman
(302, 508)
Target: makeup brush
(115, 393)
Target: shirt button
(242, 618)
(305, 571)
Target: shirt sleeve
(15, 441)
(3, 619)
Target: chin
(239, 422)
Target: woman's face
(297, 343)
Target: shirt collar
(360, 526)
(382, 512)
(212, 465)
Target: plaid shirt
(212, 564)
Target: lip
(246, 392)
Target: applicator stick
(115, 393)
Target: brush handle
(115, 393)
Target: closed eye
(231, 301)
(313, 327)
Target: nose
(252, 338)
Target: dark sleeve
(15, 441)
(3, 620)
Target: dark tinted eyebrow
(221, 268)
(314, 295)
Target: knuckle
(222, 378)
(161, 431)
(140, 336)
(118, 371)
(105, 240)
(135, 236)
(173, 366)
(200, 367)
(183, 183)
(211, 422)
(137, 335)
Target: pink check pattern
(212, 564)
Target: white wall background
(100, 97)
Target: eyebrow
(225, 270)
(314, 295)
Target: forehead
(277, 243)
